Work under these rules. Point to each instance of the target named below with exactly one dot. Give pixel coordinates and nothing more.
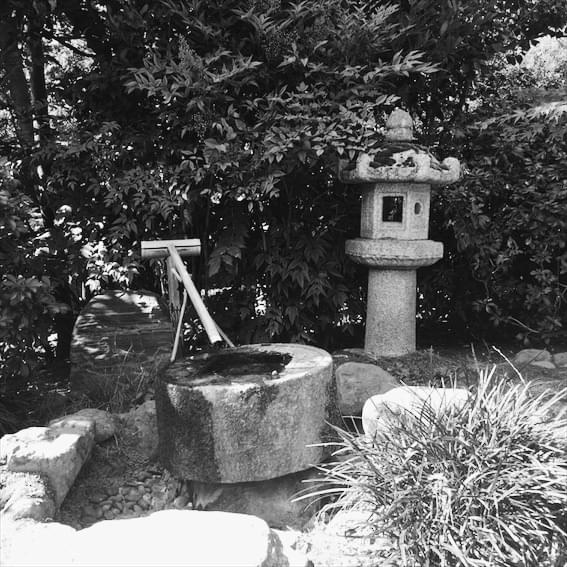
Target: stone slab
(57, 452)
(119, 334)
(25, 495)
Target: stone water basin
(247, 414)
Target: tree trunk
(37, 77)
(11, 60)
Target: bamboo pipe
(221, 332)
(194, 295)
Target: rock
(529, 355)
(25, 543)
(357, 381)
(141, 422)
(104, 426)
(182, 537)
(246, 414)
(408, 402)
(181, 502)
(25, 495)
(560, 359)
(272, 500)
(58, 452)
(119, 335)
(543, 364)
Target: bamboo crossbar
(159, 248)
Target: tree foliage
(224, 121)
(505, 224)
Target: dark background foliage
(224, 121)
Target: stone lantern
(396, 184)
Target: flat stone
(25, 543)
(560, 359)
(357, 381)
(57, 452)
(272, 500)
(118, 335)
(223, 419)
(184, 538)
(408, 403)
(529, 355)
(104, 426)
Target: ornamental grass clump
(485, 485)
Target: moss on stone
(186, 435)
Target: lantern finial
(399, 126)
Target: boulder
(409, 403)
(358, 381)
(119, 335)
(104, 426)
(25, 495)
(58, 452)
(530, 355)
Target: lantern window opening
(393, 208)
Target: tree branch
(68, 45)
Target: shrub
(27, 293)
(483, 486)
(504, 224)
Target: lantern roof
(399, 159)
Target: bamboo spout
(208, 323)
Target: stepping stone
(118, 335)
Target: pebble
(132, 495)
(180, 502)
(148, 492)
